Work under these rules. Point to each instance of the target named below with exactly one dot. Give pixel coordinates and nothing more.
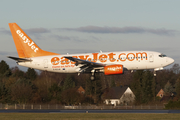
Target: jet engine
(113, 69)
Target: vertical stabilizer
(25, 46)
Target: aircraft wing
(84, 62)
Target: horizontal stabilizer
(20, 59)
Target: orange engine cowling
(113, 69)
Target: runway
(89, 111)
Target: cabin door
(151, 57)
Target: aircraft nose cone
(170, 60)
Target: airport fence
(57, 106)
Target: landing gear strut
(154, 73)
(93, 75)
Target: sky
(83, 26)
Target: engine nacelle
(113, 69)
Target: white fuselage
(131, 60)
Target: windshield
(162, 55)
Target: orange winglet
(25, 46)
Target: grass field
(87, 116)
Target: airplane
(110, 63)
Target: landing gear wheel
(92, 77)
(154, 73)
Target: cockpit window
(162, 55)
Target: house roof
(161, 92)
(115, 92)
(80, 88)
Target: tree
(176, 68)
(89, 90)
(6, 84)
(68, 83)
(21, 93)
(55, 91)
(113, 84)
(4, 69)
(163, 77)
(177, 86)
(88, 87)
(147, 81)
(143, 86)
(3, 91)
(17, 73)
(154, 88)
(96, 88)
(41, 90)
(71, 96)
(31, 74)
(168, 89)
(136, 85)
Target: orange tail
(26, 48)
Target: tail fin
(26, 48)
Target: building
(80, 90)
(119, 96)
(160, 93)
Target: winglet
(25, 46)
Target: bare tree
(21, 93)
(168, 88)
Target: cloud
(76, 51)
(60, 38)
(123, 30)
(37, 30)
(4, 31)
(33, 31)
(72, 38)
(98, 30)
(66, 38)
(4, 53)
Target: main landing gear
(93, 75)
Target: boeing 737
(32, 56)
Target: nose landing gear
(92, 77)
(154, 73)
